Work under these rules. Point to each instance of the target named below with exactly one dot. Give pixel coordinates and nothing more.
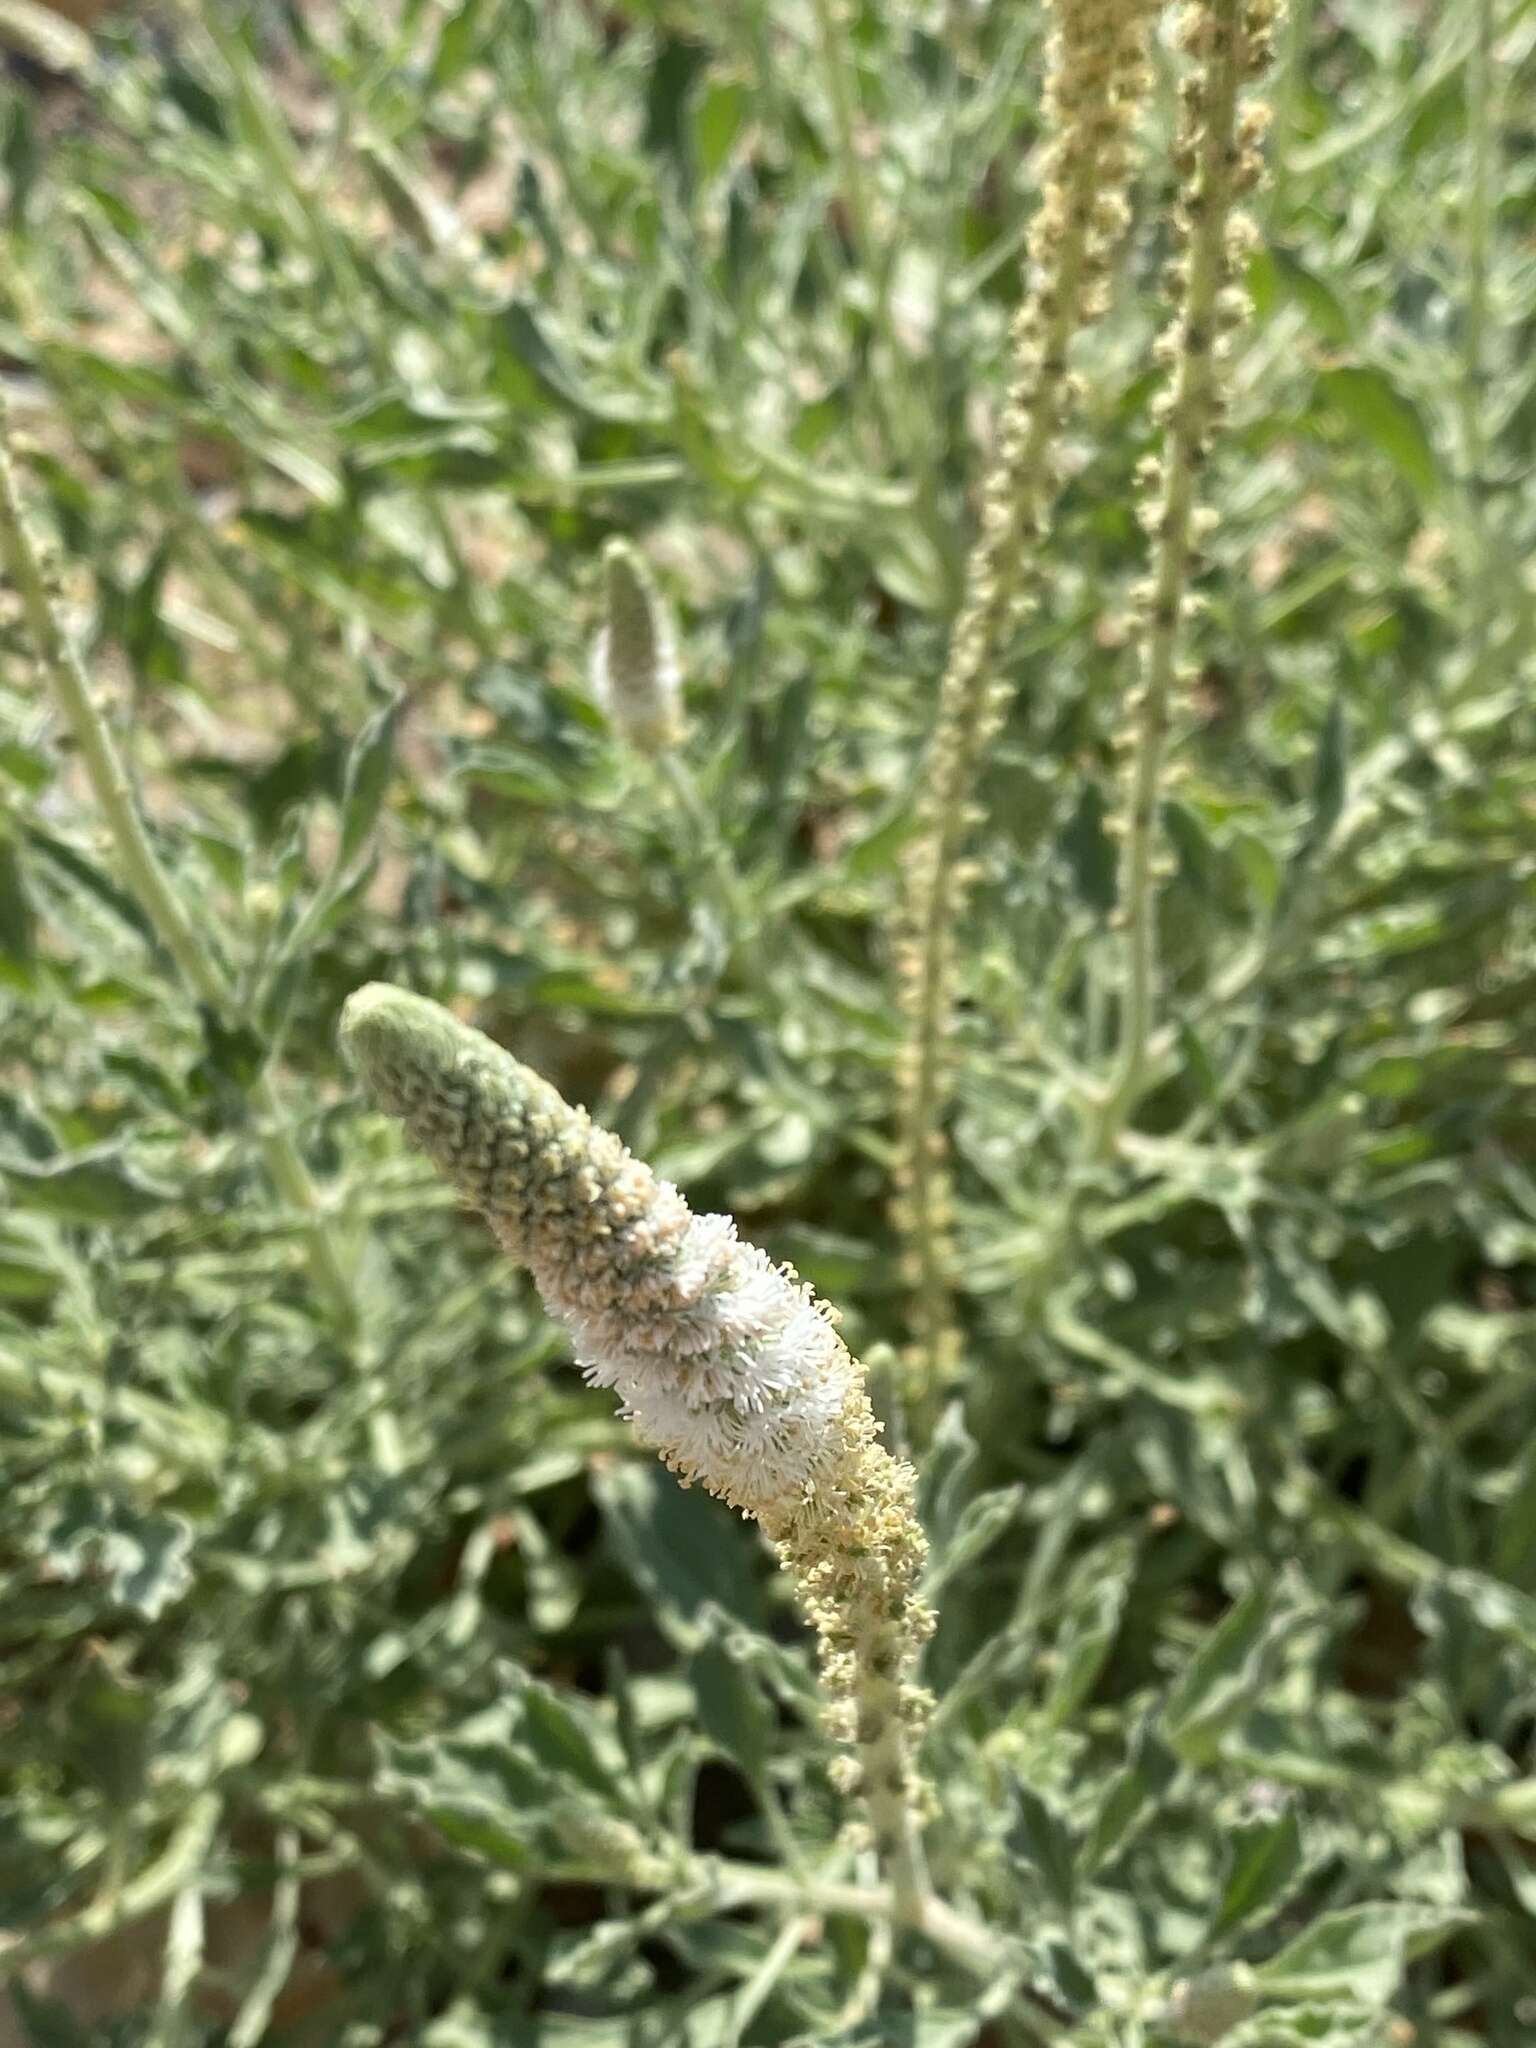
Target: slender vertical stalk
(1217, 157)
(1095, 85)
(1291, 80)
(146, 878)
(1482, 137)
(844, 127)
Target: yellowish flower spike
(1096, 83)
(725, 1363)
(1218, 160)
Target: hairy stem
(855, 1564)
(146, 878)
(987, 1955)
(886, 1769)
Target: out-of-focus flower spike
(636, 675)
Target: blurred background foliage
(359, 1682)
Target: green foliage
(358, 1681)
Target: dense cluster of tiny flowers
(725, 1363)
(1218, 161)
(1097, 80)
(635, 675)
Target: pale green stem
(886, 1778)
(186, 1933)
(121, 1906)
(760, 1986)
(277, 149)
(1193, 405)
(141, 870)
(1292, 82)
(865, 1995)
(1482, 135)
(251, 2021)
(850, 169)
(731, 899)
(988, 1956)
(965, 1941)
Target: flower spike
(726, 1364)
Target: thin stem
(1482, 136)
(965, 1941)
(276, 145)
(145, 877)
(186, 1933)
(725, 883)
(250, 2022)
(122, 1903)
(863, 1999)
(1292, 84)
(760, 1987)
(898, 1837)
(969, 1943)
(103, 763)
(850, 170)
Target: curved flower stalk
(1218, 159)
(724, 1362)
(636, 675)
(182, 933)
(1097, 81)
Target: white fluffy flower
(724, 1362)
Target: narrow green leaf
(718, 120)
(552, 1728)
(679, 1547)
(1358, 1954)
(87, 1187)
(18, 919)
(1130, 1799)
(677, 64)
(982, 1521)
(366, 779)
(943, 1482)
(1042, 1843)
(1372, 403)
(1263, 1860)
(1225, 1675)
(88, 876)
(1330, 788)
(733, 1711)
(1088, 1629)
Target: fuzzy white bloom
(740, 1384)
(724, 1362)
